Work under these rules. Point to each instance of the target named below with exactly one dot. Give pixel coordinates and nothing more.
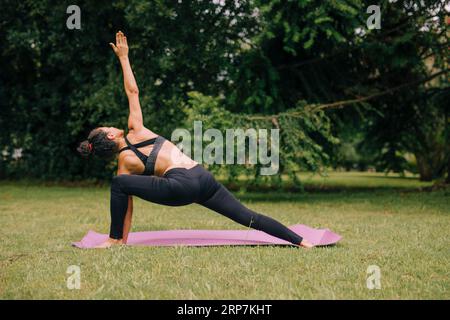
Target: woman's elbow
(133, 91)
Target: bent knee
(119, 181)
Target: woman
(152, 168)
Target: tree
(266, 63)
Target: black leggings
(181, 186)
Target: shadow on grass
(310, 188)
(278, 246)
(387, 177)
(272, 193)
(341, 194)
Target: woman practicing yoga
(154, 169)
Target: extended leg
(225, 203)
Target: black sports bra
(149, 162)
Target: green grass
(404, 232)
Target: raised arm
(135, 121)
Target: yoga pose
(154, 169)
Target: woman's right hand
(121, 46)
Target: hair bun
(85, 148)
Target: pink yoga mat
(318, 237)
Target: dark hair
(97, 143)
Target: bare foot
(109, 243)
(306, 244)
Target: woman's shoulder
(129, 161)
(143, 134)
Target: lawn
(384, 221)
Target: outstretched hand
(121, 46)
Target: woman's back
(169, 155)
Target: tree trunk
(425, 170)
(447, 180)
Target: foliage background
(260, 64)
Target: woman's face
(112, 133)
